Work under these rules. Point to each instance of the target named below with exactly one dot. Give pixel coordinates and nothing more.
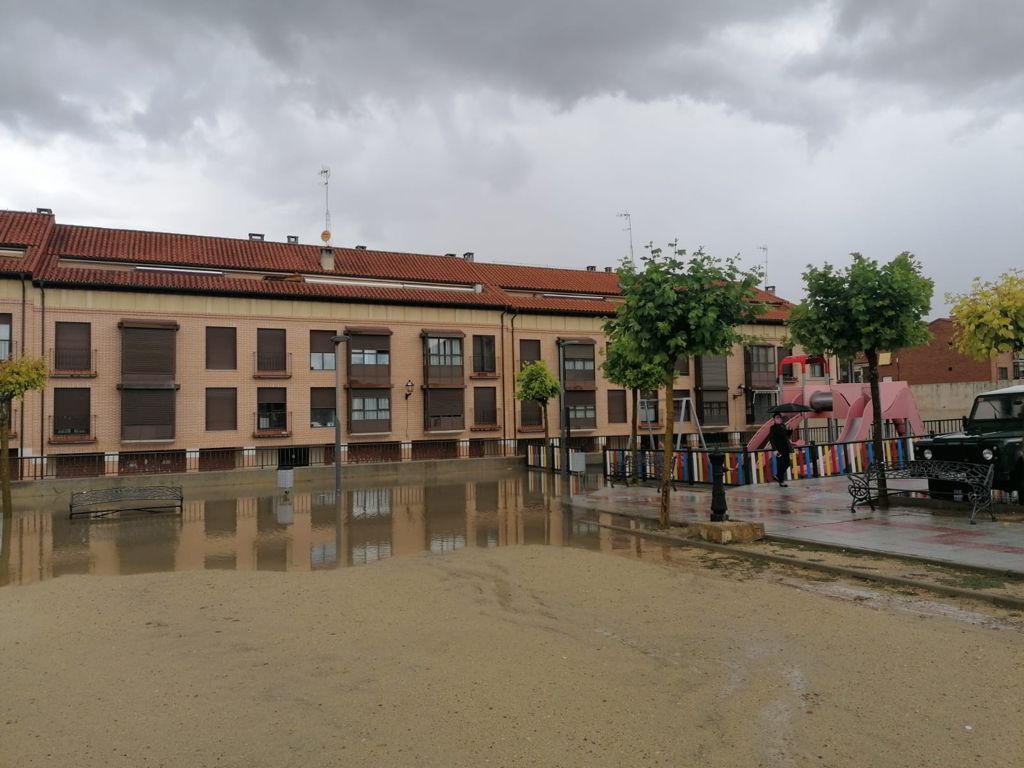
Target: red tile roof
(503, 285)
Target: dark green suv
(992, 434)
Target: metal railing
(67, 430)
(72, 362)
(272, 365)
(272, 424)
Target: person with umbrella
(778, 437)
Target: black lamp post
(337, 341)
(719, 509)
(563, 405)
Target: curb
(1002, 601)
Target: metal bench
(110, 501)
(976, 478)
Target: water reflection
(302, 531)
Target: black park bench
(975, 478)
(111, 501)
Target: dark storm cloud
(163, 68)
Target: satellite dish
(325, 235)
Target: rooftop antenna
(764, 249)
(325, 180)
(629, 228)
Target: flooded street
(300, 531)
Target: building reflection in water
(302, 531)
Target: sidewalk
(818, 512)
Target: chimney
(256, 236)
(47, 211)
(468, 255)
(770, 288)
(450, 254)
(293, 239)
(360, 247)
(607, 269)
(591, 269)
(327, 258)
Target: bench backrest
(126, 493)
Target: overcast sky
(519, 130)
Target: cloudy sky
(520, 130)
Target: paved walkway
(818, 512)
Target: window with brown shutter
(682, 366)
(529, 351)
(616, 406)
(321, 351)
(681, 408)
(442, 358)
(321, 407)
(221, 408)
(221, 349)
(71, 411)
(6, 350)
(713, 390)
(530, 414)
(369, 360)
(443, 409)
(147, 414)
(483, 355)
(271, 409)
(271, 350)
(578, 360)
(147, 353)
(485, 406)
(582, 409)
(369, 410)
(72, 347)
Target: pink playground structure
(812, 395)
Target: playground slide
(857, 427)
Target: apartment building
(183, 344)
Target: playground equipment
(813, 395)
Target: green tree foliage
(623, 368)
(677, 306)
(536, 383)
(990, 319)
(868, 307)
(17, 377)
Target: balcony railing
(12, 430)
(67, 431)
(369, 376)
(444, 423)
(763, 379)
(73, 363)
(580, 379)
(7, 350)
(444, 375)
(272, 424)
(272, 365)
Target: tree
(624, 369)
(990, 319)
(536, 383)
(674, 308)
(866, 308)
(16, 378)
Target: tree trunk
(5, 462)
(667, 454)
(876, 421)
(631, 446)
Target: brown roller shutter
(616, 406)
(578, 351)
(320, 342)
(529, 351)
(271, 395)
(72, 347)
(377, 342)
(321, 397)
(147, 355)
(221, 349)
(444, 409)
(147, 414)
(713, 373)
(271, 349)
(71, 414)
(485, 405)
(683, 366)
(221, 408)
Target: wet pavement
(818, 512)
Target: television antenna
(764, 249)
(628, 228)
(325, 180)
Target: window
(271, 350)
(271, 409)
(321, 350)
(529, 351)
(530, 414)
(71, 412)
(6, 352)
(221, 408)
(321, 407)
(681, 407)
(616, 406)
(715, 407)
(483, 355)
(220, 349)
(370, 410)
(443, 409)
(683, 366)
(713, 389)
(444, 353)
(369, 361)
(485, 406)
(648, 407)
(71, 351)
(147, 414)
(578, 362)
(147, 352)
(1002, 373)
(582, 410)
(759, 362)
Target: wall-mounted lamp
(409, 387)
(741, 389)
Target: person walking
(778, 437)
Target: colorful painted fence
(755, 467)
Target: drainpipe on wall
(42, 353)
(515, 422)
(504, 386)
(21, 418)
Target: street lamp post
(563, 405)
(337, 341)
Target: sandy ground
(521, 656)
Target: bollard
(719, 509)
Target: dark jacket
(778, 436)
